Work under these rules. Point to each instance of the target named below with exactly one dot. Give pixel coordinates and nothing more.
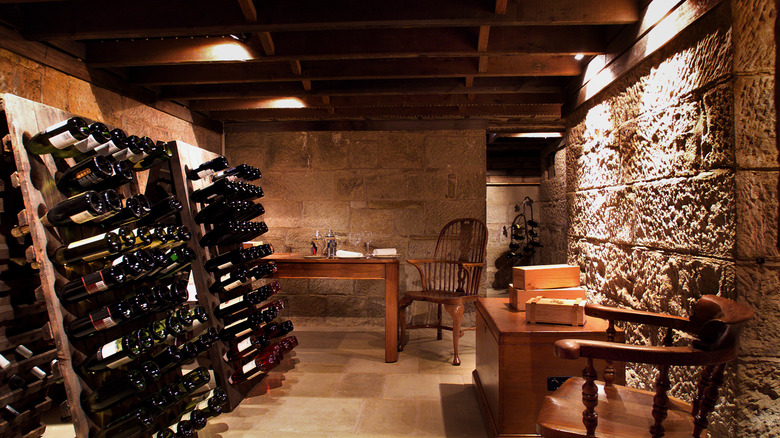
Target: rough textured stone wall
(671, 192)
(401, 186)
(33, 81)
(501, 202)
(552, 204)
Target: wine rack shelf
(35, 177)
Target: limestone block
(401, 150)
(54, 87)
(378, 221)
(439, 213)
(345, 306)
(328, 150)
(331, 287)
(363, 154)
(350, 185)
(661, 145)
(717, 139)
(469, 184)
(753, 27)
(205, 138)
(293, 286)
(307, 305)
(368, 289)
(552, 189)
(428, 185)
(314, 186)
(752, 390)
(287, 152)
(757, 214)
(454, 152)
(240, 140)
(326, 214)
(759, 287)
(512, 195)
(280, 213)
(421, 247)
(386, 184)
(408, 221)
(598, 165)
(606, 214)
(754, 121)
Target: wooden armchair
(450, 278)
(715, 325)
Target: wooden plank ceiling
(292, 63)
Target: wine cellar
(136, 287)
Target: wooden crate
(555, 311)
(518, 297)
(545, 276)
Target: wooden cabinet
(517, 368)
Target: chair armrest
(637, 316)
(688, 355)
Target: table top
(304, 258)
(508, 321)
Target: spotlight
(579, 56)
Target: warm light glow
(579, 56)
(287, 102)
(537, 135)
(228, 51)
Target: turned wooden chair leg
(456, 312)
(438, 322)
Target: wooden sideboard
(516, 363)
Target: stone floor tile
(360, 385)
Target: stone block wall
(402, 186)
(672, 192)
(554, 221)
(39, 83)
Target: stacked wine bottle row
(28, 365)
(252, 341)
(115, 267)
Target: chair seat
(440, 296)
(623, 412)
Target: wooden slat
(433, 99)
(351, 44)
(398, 87)
(358, 125)
(150, 18)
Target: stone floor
(341, 387)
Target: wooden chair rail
(684, 356)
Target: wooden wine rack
(35, 177)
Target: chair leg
(438, 322)
(456, 312)
(402, 305)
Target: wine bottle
(147, 147)
(233, 232)
(89, 249)
(262, 270)
(211, 191)
(136, 207)
(54, 139)
(112, 204)
(135, 264)
(123, 174)
(115, 390)
(127, 236)
(260, 364)
(85, 175)
(167, 328)
(9, 413)
(248, 300)
(207, 168)
(98, 135)
(238, 257)
(169, 358)
(245, 325)
(243, 171)
(133, 425)
(179, 235)
(161, 210)
(118, 352)
(99, 320)
(77, 209)
(164, 154)
(159, 237)
(246, 346)
(229, 281)
(130, 147)
(115, 142)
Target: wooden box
(516, 367)
(555, 311)
(545, 276)
(518, 297)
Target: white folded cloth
(348, 254)
(385, 251)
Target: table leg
(391, 312)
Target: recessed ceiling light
(537, 135)
(579, 56)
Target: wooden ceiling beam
(151, 18)
(396, 43)
(365, 101)
(537, 111)
(397, 87)
(531, 65)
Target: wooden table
(517, 368)
(296, 266)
